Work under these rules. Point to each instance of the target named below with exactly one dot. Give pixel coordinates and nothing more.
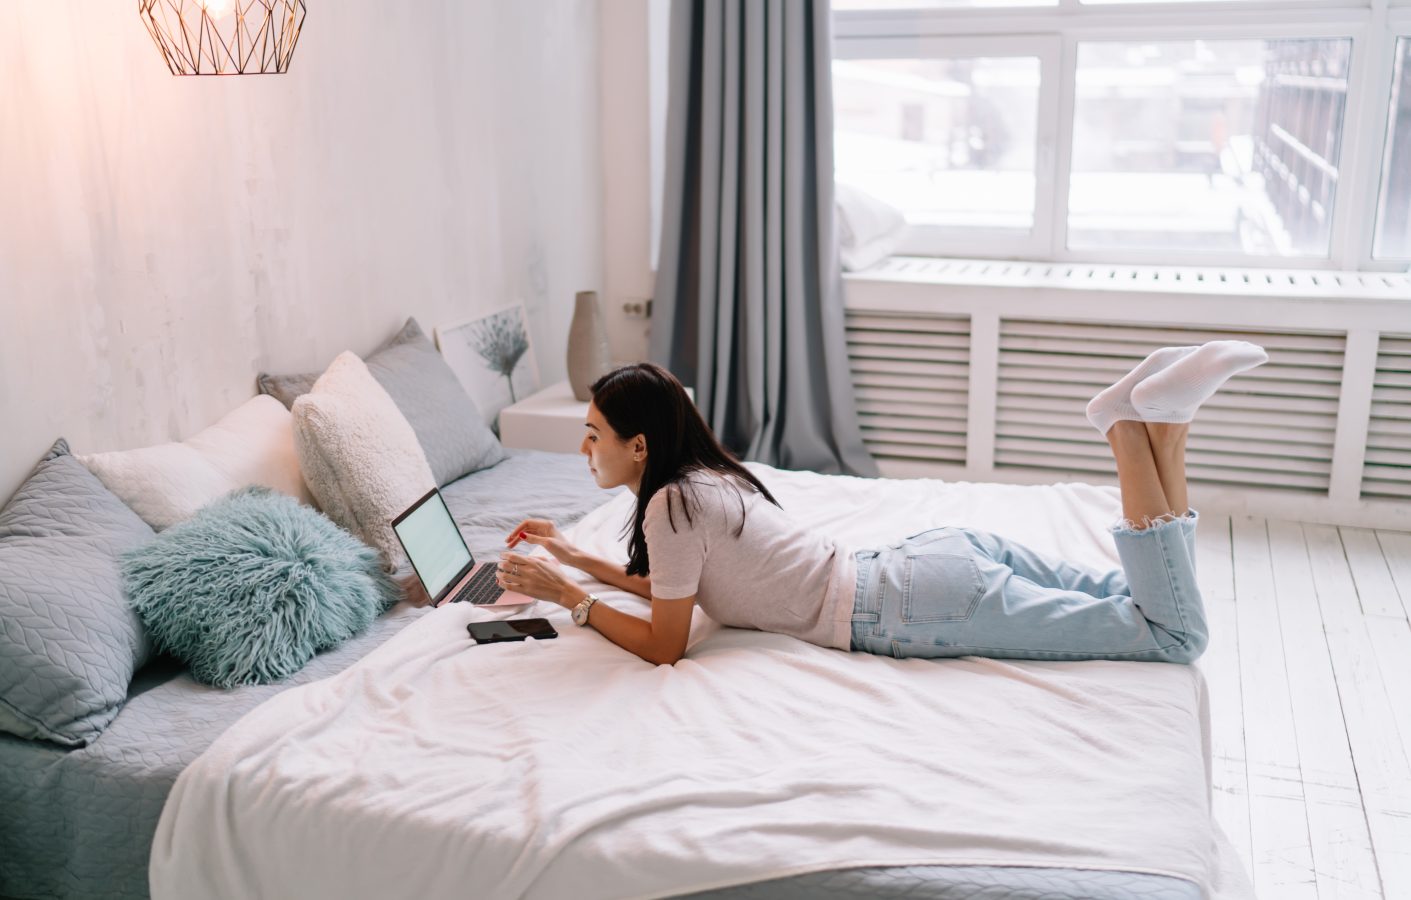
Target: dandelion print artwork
(492, 358)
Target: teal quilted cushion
(68, 642)
(252, 586)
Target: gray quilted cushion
(68, 641)
(286, 388)
(450, 429)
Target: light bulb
(216, 8)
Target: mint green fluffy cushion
(252, 586)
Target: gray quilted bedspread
(962, 883)
(79, 823)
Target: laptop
(442, 560)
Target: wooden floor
(1309, 668)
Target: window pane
(1393, 239)
(947, 141)
(1115, 2)
(1208, 145)
(935, 4)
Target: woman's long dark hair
(646, 399)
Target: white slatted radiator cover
(911, 375)
(1386, 470)
(1272, 426)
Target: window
(951, 140)
(1113, 130)
(934, 4)
(1227, 146)
(954, 134)
(1393, 240)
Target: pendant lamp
(224, 37)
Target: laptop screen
(434, 544)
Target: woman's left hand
(536, 576)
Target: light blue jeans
(962, 592)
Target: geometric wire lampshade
(224, 37)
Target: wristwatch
(580, 612)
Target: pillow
(452, 433)
(286, 388)
(164, 484)
(360, 456)
(252, 586)
(68, 642)
(869, 229)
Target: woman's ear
(639, 448)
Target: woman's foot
(1177, 391)
(1114, 404)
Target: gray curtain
(748, 301)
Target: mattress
(81, 822)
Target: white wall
(164, 239)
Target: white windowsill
(1196, 280)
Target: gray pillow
(68, 641)
(449, 427)
(286, 388)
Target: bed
(83, 822)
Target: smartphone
(510, 630)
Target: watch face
(580, 612)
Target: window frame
(1372, 29)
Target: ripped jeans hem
(1153, 523)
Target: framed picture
(491, 356)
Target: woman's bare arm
(613, 574)
(546, 534)
(660, 640)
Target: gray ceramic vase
(588, 356)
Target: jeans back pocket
(942, 582)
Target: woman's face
(612, 460)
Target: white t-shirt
(777, 576)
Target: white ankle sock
(1114, 403)
(1176, 392)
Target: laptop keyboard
(480, 589)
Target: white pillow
(166, 484)
(360, 455)
(869, 229)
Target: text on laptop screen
(434, 544)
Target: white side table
(549, 420)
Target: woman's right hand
(546, 535)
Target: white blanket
(570, 768)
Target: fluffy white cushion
(869, 229)
(166, 484)
(360, 455)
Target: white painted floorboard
(1309, 666)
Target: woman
(707, 531)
